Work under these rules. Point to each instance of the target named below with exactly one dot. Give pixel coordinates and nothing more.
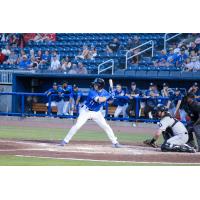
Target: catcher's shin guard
(177, 148)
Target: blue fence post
(106, 110)
(22, 106)
(49, 105)
(137, 108)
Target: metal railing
(6, 77)
(168, 39)
(128, 57)
(21, 104)
(105, 69)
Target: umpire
(193, 110)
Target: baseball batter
(174, 133)
(91, 110)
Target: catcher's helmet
(159, 108)
(100, 82)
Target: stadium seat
(175, 74)
(141, 73)
(130, 72)
(186, 74)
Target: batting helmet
(100, 82)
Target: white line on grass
(111, 161)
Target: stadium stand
(89, 50)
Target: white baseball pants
(121, 109)
(86, 114)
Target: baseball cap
(54, 84)
(133, 83)
(165, 85)
(151, 84)
(177, 89)
(195, 84)
(75, 86)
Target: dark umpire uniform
(193, 110)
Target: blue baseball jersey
(152, 101)
(93, 95)
(77, 94)
(66, 90)
(56, 97)
(119, 98)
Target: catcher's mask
(158, 110)
(99, 82)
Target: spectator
(193, 47)
(38, 57)
(6, 51)
(46, 58)
(129, 44)
(33, 63)
(12, 59)
(171, 57)
(113, 46)
(136, 43)
(85, 54)
(2, 57)
(55, 64)
(32, 54)
(181, 57)
(193, 56)
(4, 37)
(54, 53)
(162, 59)
(73, 69)
(188, 65)
(92, 52)
(81, 69)
(14, 40)
(66, 64)
(24, 63)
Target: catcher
(174, 133)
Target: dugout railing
(20, 105)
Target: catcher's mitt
(150, 143)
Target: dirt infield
(98, 151)
(88, 150)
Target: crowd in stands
(184, 54)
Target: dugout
(40, 82)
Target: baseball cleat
(117, 145)
(63, 143)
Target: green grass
(32, 161)
(38, 133)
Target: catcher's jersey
(177, 129)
